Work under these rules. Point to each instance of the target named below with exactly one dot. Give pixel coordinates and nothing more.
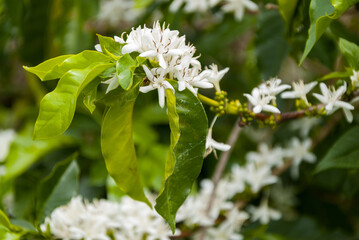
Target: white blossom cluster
(252, 177)
(6, 138)
(175, 60)
(128, 219)
(238, 7)
(263, 98)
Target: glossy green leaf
(188, 153)
(4, 220)
(287, 9)
(118, 148)
(343, 154)
(125, 68)
(24, 151)
(57, 108)
(351, 52)
(78, 61)
(321, 13)
(175, 133)
(89, 100)
(110, 47)
(57, 188)
(44, 68)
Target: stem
(223, 160)
(207, 100)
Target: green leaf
(44, 68)
(6, 234)
(334, 75)
(57, 188)
(110, 47)
(78, 61)
(271, 46)
(343, 154)
(175, 133)
(4, 220)
(188, 153)
(125, 68)
(351, 52)
(118, 148)
(287, 10)
(24, 151)
(89, 100)
(57, 108)
(321, 13)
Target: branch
(223, 160)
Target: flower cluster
(238, 7)
(175, 60)
(128, 219)
(263, 97)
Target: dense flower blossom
(93, 221)
(260, 101)
(300, 90)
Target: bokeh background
(260, 46)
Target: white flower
(215, 76)
(300, 90)
(128, 219)
(235, 219)
(158, 83)
(264, 213)
(266, 156)
(138, 40)
(159, 43)
(238, 7)
(190, 78)
(355, 78)
(298, 152)
(6, 138)
(331, 98)
(259, 176)
(273, 87)
(211, 144)
(260, 101)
